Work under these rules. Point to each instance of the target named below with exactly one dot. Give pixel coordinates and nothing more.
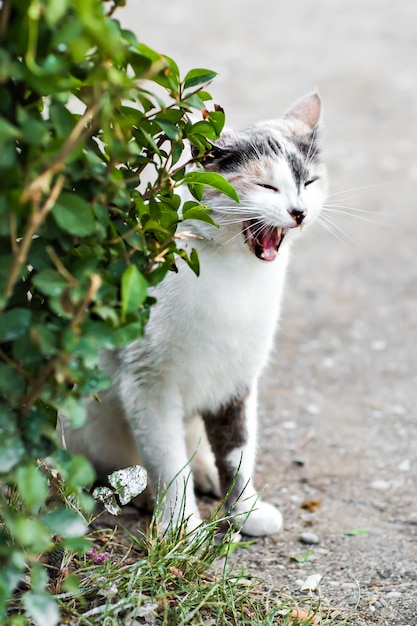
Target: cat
(190, 386)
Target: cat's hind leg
(232, 435)
(203, 462)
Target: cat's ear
(306, 109)
(215, 151)
(218, 150)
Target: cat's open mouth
(263, 240)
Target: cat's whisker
(328, 224)
(256, 227)
(338, 193)
(353, 215)
(352, 208)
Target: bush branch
(36, 220)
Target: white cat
(190, 386)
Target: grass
(173, 580)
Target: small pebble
(412, 519)
(380, 485)
(393, 594)
(309, 538)
(348, 586)
(299, 461)
(379, 345)
(351, 600)
(311, 583)
(405, 466)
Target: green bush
(88, 216)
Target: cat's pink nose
(298, 215)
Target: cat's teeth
(279, 231)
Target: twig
(38, 217)
(4, 17)
(42, 182)
(37, 386)
(95, 284)
(61, 267)
(18, 368)
(309, 437)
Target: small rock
(393, 594)
(348, 586)
(380, 485)
(405, 466)
(299, 461)
(309, 538)
(412, 519)
(379, 345)
(351, 600)
(311, 583)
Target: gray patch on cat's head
(235, 149)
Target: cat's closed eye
(310, 181)
(266, 186)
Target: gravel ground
(338, 403)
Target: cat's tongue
(263, 240)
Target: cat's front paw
(264, 519)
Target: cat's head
(275, 169)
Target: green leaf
(41, 608)
(74, 409)
(55, 9)
(14, 323)
(50, 282)
(38, 577)
(7, 131)
(45, 339)
(65, 522)
(32, 486)
(211, 179)
(72, 585)
(62, 119)
(170, 129)
(73, 215)
(357, 531)
(303, 558)
(194, 211)
(128, 333)
(31, 533)
(134, 290)
(203, 128)
(12, 449)
(12, 385)
(80, 474)
(194, 262)
(198, 77)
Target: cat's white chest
(217, 329)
